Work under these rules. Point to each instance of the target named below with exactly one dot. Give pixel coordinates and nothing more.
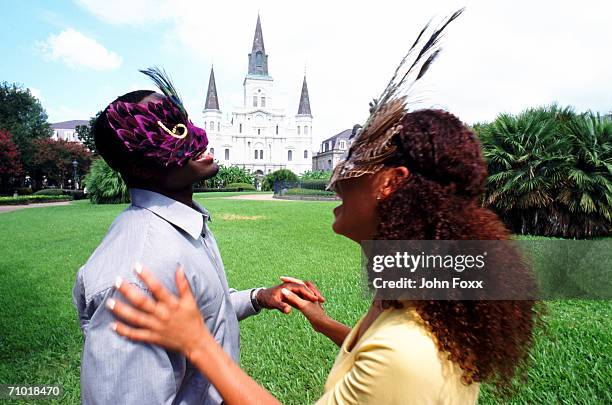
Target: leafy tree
(316, 175)
(22, 115)
(85, 133)
(10, 161)
(54, 159)
(278, 175)
(105, 185)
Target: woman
(408, 176)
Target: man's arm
(243, 304)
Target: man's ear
(391, 179)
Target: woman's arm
(320, 321)
(176, 324)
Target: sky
(500, 56)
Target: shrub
(75, 194)
(27, 199)
(309, 192)
(105, 185)
(316, 175)
(50, 191)
(314, 184)
(241, 186)
(279, 175)
(228, 175)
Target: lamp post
(74, 173)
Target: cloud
(76, 50)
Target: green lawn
(40, 342)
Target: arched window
(305, 154)
(226, 154)
(256, 154)
(212, 150)
(254, 101)
(240, 128)
(298, 129)
(306, 130)
(258, 131)
(261, 153)
(290, 155)
(212, 125)
(259, 59)
(263, 101)
(218, 127)
(277, 130)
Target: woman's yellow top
(396, 361)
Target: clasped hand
(176, 322)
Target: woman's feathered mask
(160, 129)
(373, 145)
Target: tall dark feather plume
(165, 85)
(372, 145)
(416, 66)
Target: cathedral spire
(304, 108)
(212, 101)
(258, 60)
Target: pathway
(9, 208)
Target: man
(149, 139)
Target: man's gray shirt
(159, 233)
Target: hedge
(28, 199)
(314, 184)
(306, 191)
(50, 191)
(75, 194)
(242, 186)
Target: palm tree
(525, 161)
(586, 193)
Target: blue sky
(78, 55)
(70, 90)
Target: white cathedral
(259, 136)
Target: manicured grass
(40, 342)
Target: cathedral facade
(259, 136)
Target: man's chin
(210, 171)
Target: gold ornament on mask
(174, 133)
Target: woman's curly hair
(439, 200)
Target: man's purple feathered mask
(160, 129)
